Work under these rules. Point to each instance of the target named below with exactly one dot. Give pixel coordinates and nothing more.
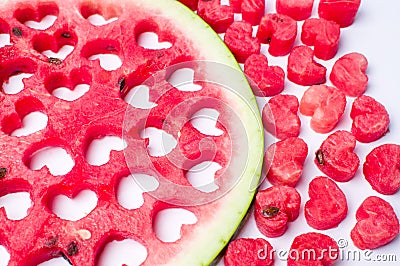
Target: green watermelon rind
(204, 249)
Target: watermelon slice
(101, 111)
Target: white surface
(376, 34)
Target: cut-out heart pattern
(202, 176)
(76, 208)
(269, 80)
(69, 88)
(56, 159)
(336, 157)
(183, 80)
(99, 20)
(15, 83)
(377, 224)
(205, 121)
(168, 223)
(160, 142)
(41, 17)
(104, 50)
(16, 205)
(327, 206)
(59, 45)
(98, 152)
(31, 123)
(131, 188)
(124, 252)
(139, 97)
(149, 40)
(238, 38)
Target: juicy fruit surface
(348, 74)
(370, 119)
(275, 207)
(377, 224)
(248, 251)
(325, 105)
(280, 116)
(324, 250)
(72, 126)
(342, 12)
(296, 9)
(284, 161)
(382, 168)
(327, 206)
(336, 157)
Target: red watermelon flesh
(101, 112)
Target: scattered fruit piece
(336, 157)
(236, 5)
(325, 104)
(219, 17)
(239, 41)
(302, 69)
(313, 249)
(296, 9)
(377, 224)
(252, 11)
(192, 4)
(279, 31)
(348, 74)
(327, 206)
(265, 80)
(248, 251)
(275, 207)
(280, 116)
(342, 12)
(284, 161)
(323, 34)
(370, 119)
(382, 169)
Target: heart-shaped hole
(168, 223)
(160, 142)
(202, 176)
(16, 205)
(76, 208)
(41, 18)
(13, 72)
(28, 119)
(99, 14)
(56, 159)
(183, 80)
(59, 45)
(104, 50)
(69, 88)
(123, 252)
(4, 40)
(139, 97)
(149, 40)
(131, 188)
(99, 150)
(205, 121)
